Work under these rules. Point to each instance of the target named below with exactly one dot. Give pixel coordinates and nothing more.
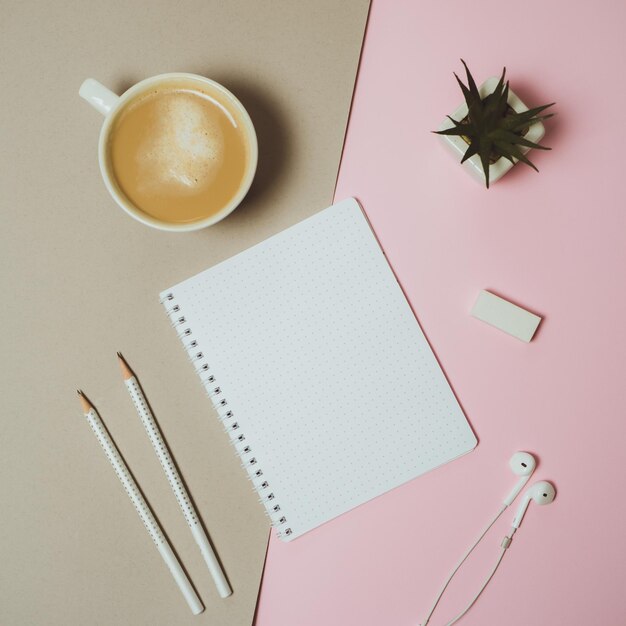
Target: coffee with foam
(179, 152)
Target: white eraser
(505, 315)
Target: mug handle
(98, 96)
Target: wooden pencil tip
(126, 371)
(87, 406)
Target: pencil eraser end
(505, 315)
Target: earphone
(541, 492)
(522, 464)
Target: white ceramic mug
(110, 104)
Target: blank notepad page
(318, 369)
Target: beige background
(80, 280)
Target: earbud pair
(523, 465)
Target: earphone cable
(506, 542)
(458, 566)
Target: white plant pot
(458, 147)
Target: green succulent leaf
(472, 149)
(496, 102)
(455, 122)
(508, 157)
(470, 81)
(514, 151)
(461, 129)
(491, 128)
(536, 110)
(455, 130)
(517, 127)
(484, 152)
(503, 103)
(515, 138)
(466, 92)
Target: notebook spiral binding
(226, 415)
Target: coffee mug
(186, 152)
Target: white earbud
(541, 492)
(523, 465)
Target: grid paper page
(319, 369)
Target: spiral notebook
(318, 369)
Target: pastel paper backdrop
(553, 242)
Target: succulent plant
(491, 128)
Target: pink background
(552, 242)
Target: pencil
(173, 476)
(142, 507)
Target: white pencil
(174, 478)
(136, 497)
